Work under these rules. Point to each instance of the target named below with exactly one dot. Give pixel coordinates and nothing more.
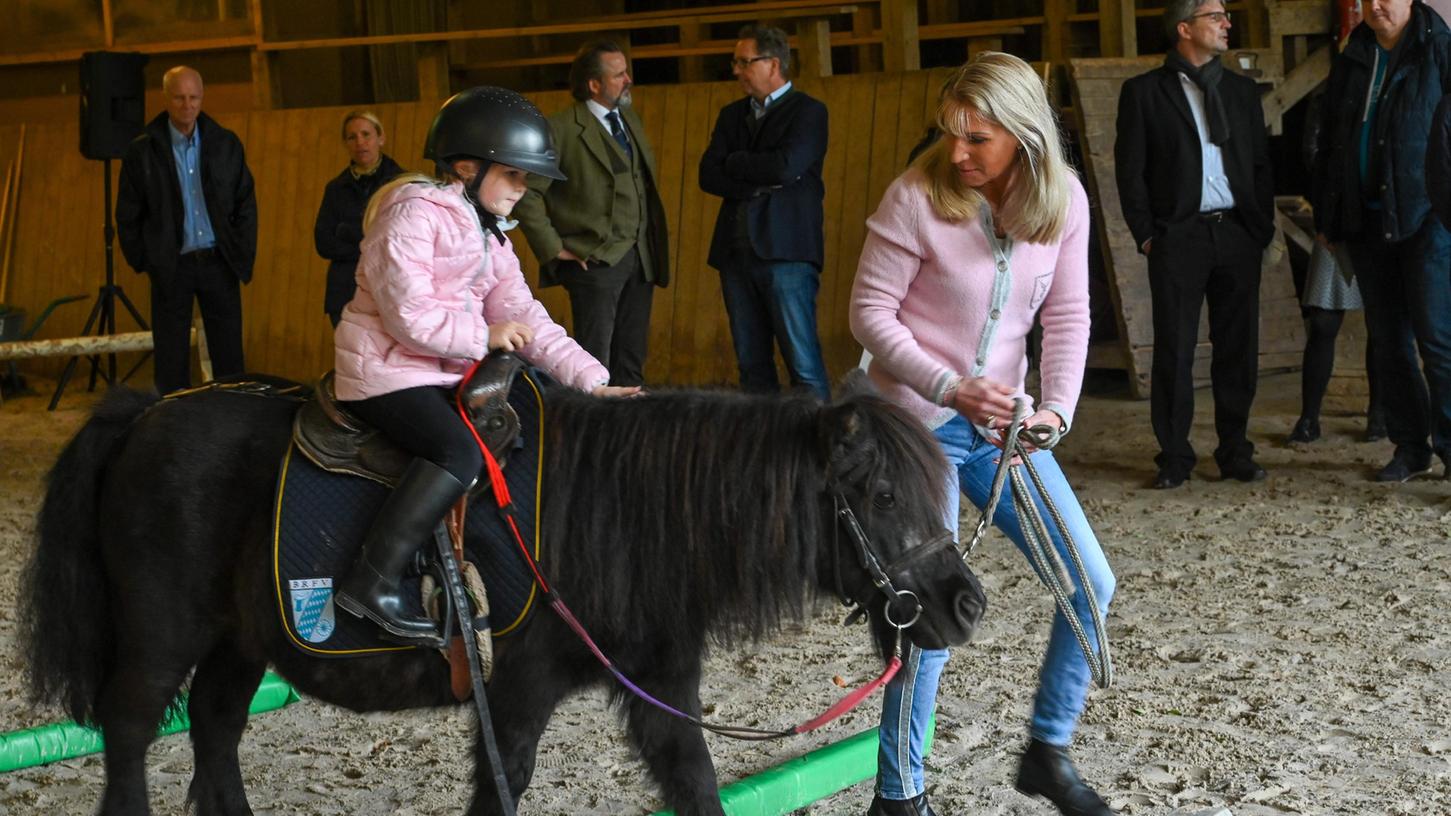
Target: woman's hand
(983, 402)
(1043, 416)
(510, 335)
(618, 391)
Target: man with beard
(601, 233)
(1194, 180)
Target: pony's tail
(65, 631)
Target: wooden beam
(265, 93)
(108, 24)
(622, 22)
(1298, 84)
(1055, 30)
(692, 69)
(900, 45)
(1117, 29)
(1291, 17)
(433, 82)
(868, 59)
(813, 46)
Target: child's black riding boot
(410, 515)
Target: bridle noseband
(880, 575)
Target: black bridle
(880, 575)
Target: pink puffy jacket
(429, 285)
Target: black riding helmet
(493, 125)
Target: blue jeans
(1063, 679)
(1407, 291)
(775, 299)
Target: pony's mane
(706, 507)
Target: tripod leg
(70, 366)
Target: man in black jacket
(186, 215)
(1371, 193)
(338, 231)
(765, 159)
(1192, 163)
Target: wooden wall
(875, 121)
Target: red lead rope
(505, 502)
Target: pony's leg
(673, 749)
(221, 691)
(520, 705)
(132, 701)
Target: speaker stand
(103, 315)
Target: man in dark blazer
(1192, 163)
(186, 214)
(602, 232)
(765, 159)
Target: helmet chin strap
(489, 220)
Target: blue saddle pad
(321, 518)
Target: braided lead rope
(1102, 671)
(1041, 552)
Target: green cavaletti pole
(65, 740)
(796, 783)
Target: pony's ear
(856, 383)
(843, 432)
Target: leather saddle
(336, 440)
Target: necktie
(617, 130)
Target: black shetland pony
(670, 522)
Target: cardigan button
(995, 314)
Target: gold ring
(991, 418)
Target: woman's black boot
(410, 515)
(1046, 771)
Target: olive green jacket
(576, 214)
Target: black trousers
(423, 422)
(611, 308)
(1214, 261)
(202, 277)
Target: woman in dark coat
(339, 227)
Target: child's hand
(618, 391)
(510, 335)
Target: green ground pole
(65, 740)
(796, 783)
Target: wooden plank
(1292, 17)
(1306, 77)
(814, 46)
(900, 50)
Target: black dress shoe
(1167, 480)
(1305, 430)
(1399, 469)
(1244, 470)
(916, 806)
(1046, 771)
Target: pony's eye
(884, 501)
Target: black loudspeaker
(113, 102)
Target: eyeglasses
(742, 64)
(1215, 17)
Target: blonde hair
(1004, 90)
(365, 115)
(405, 178)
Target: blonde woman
(439, 287)
(339, 227)
(987, 230)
